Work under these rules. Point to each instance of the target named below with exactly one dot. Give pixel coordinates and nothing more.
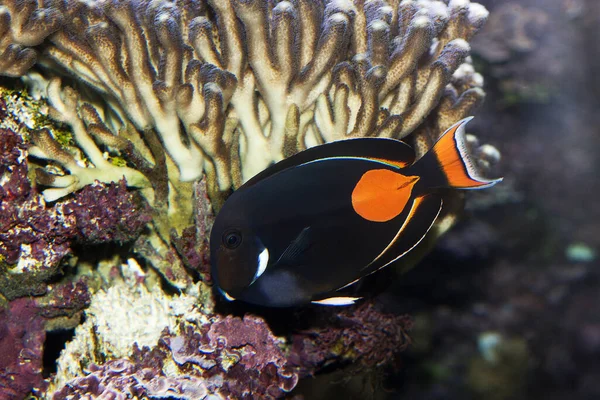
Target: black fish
(326, 217)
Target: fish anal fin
(337, 301)
(421, 217)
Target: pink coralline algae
(240, 358)
(29, 233)
(122, 378)
(23, 332)
(362, 334)
(35, 237)
(107, 213)
(21, 346)
(230, 357)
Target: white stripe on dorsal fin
(348, 284)
(337, 301)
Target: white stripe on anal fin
(337, 301)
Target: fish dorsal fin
(297, 247)
(390, 151)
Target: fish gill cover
(132, 102)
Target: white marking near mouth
(263, 260)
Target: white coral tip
(284, 6)
(457, 4)
(378, 25)
(421, 21)
(338, 18)
(477, 12)
(460, 44)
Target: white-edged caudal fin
(337, 301)
(454, 161)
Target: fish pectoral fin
(337, 301)
(301, 243)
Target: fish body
(325, 218)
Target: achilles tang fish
(326, 217)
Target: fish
(310, 226)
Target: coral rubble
(138, 101)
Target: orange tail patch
(381, 195)
(454, 160)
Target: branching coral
(23, 24)
(229, 87)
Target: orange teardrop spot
(380, 195)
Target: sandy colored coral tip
(163, 17)
(472, 142)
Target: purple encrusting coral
(107, 213)
(21, 346)
(23, 333)
(32, 237)
(240, 358)
(231, 357)
(361, 334)
(35, 237)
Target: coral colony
(128, 105)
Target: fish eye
(232, 239)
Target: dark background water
(508, 305)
